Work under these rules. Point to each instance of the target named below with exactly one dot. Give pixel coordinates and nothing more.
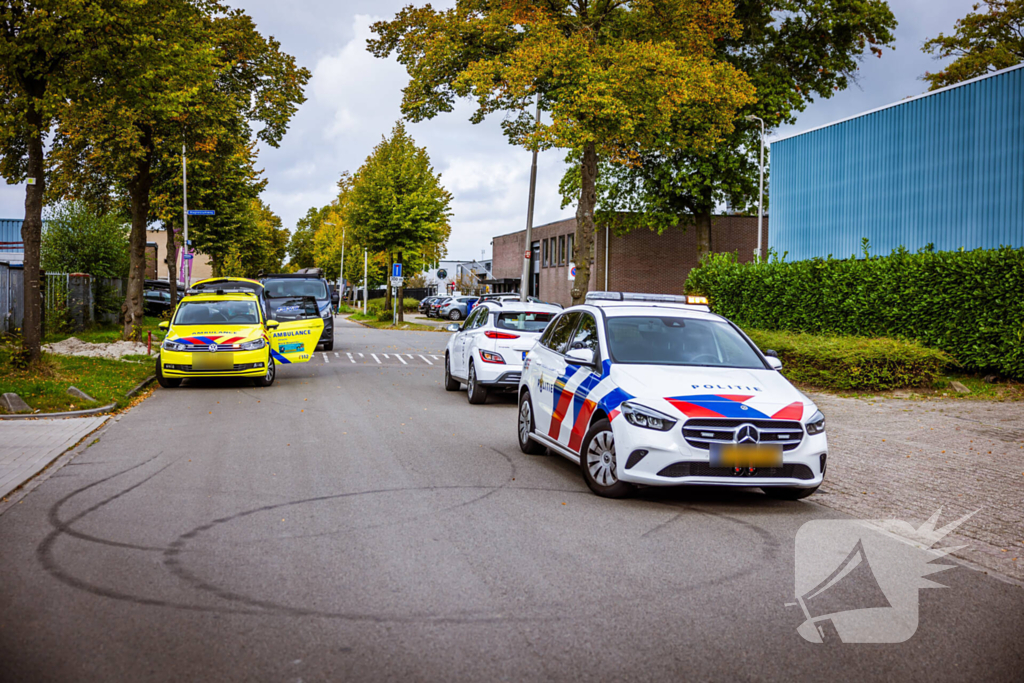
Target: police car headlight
(169, 345)
(816, 425)
(253, 345)
(640, 416)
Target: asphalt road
(357, 522)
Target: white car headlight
(253, 345)
(169, 345)
(639, 416)
(326, 313)
(816, 425)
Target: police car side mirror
(454, 327)
(581, 357)
(774, 363)
(272, 324)
(164, 325)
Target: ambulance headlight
(639, 416)
(254, 345)
(816, 425)
(169, 345)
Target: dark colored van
(284, 295)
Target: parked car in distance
(424, 305)
(156, 301)
(457, 308)
(435, 306)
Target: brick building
(640, 261)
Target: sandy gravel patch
(72, 346)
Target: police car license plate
(735, 455)
(213, 361)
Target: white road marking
(435, 357)
(375, 358)
(425, 359)
(325, 358)
(384, 354)
(336, 355)
(399, 357)
(409, 355)
(362, 356)
(351, 358)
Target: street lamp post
(760, 191)
(527, 274)
(341, 271)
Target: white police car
(657, 390)
(486, 352)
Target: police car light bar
(688, 300)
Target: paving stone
(27, 446)
(905, 459)
(14, 404)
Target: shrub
(840, 362)
(408, 305)
(76, 240)
(967, 303)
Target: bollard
(149, 343)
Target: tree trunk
(583, 245)
(138, 190)
(401, 295)
(387, 281)
(702, 219)
(32, 234)
(172, 265)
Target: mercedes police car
(656, 390)
(226, 333)
(487, 351)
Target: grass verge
(373, 321)
(44, 387)
(853, 363)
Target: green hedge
(967, 303)
(839, 362)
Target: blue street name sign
(187, 257)
(202, 212)
(396, 270)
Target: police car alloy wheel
(598, 462)
(450, 383)
(526, 444)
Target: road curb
(82, 413)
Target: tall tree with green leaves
(612, 75)
(40, 41)
(300, 245)
(793, 51)
(982, 42)
(397, 203)
(190, 72)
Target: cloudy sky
(353, 99)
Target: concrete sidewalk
(27, 446)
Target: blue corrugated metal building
(10, 231)
(944, 168)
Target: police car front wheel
(597, 460)
(526, 444)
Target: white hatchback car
(487, 350)
(652, 390)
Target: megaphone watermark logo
(857, 581)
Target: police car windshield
(666, 340)
(206, 312)
(276, 289)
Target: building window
(561, 250)
(568, 247)
(544, 258)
